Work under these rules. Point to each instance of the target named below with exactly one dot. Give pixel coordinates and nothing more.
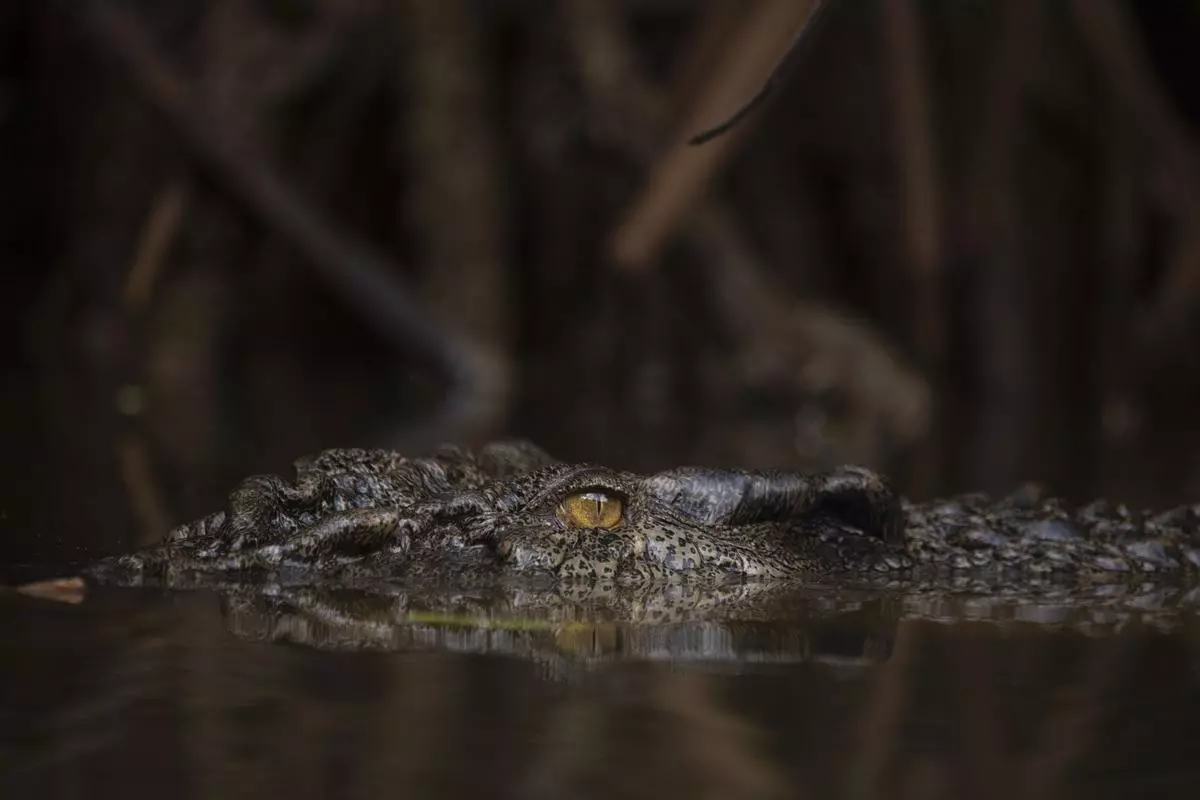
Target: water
(155, 694)
(191, 694)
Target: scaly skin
(473, 519)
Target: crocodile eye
(591, 509)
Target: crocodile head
(592, 524)
(459, 517)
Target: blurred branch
(453, 201)
(679, 178)
(808, 345)
(780, 339)
(804, 34)
(915, 155)
(364, 278)
(989, 225)
(145, 495)
(158, 234)
(707, 39)
(915, 149)
(630, 112)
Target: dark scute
(711, 496)
(978, 538)
(856, 498)
(1110, 564)
(1180, 517)
(1051, 530)
(1151, 553)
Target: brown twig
(364, 278)
(158, 234)
(706, 41)
(677, 181)
(804, 34)
(145, 498)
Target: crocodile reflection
(732, 627)
(566, 635)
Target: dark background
(960, 243)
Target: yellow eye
(592, 509)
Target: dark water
(154, 694)
(151, 694)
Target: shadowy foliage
(958, 241)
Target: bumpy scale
(512, 512)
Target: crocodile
(509, 514)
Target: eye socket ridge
(581, 479)
(593, 507)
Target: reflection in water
(148, 693)
(564, 637)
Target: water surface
(149, 693)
